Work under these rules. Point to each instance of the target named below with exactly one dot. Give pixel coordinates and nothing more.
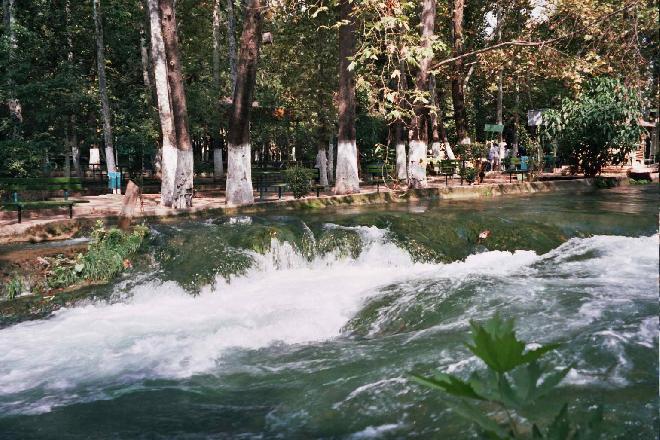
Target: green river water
(306, 324)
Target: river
(307, 324)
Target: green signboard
(494, 128)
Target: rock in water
(129, 203)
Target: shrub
(598, 127)
(299, 180)
(514, 382)
(469, 174)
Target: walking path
(40, 225)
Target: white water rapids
(161, 331)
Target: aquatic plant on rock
(107, 255)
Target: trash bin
(114, 182)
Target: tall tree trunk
(103, 89)
(183, 180)
(14, 105)
(331, 161)
(419, 133)
(436, 118)
(516, 121)
(218, 169)
(231, 41)
(239, 171)
(500, 74)
(72, 135)
(458, 78)
(322, 163)
(347, 180)
(144, 55)
(399, 134)
(168, 159)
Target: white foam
(160, 331)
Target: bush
(299, 180)
(598, 127)
(469, 174)
(19, 158)
(514, 383)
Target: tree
(106, 113)
(346, 174)
(458, 75)
(598, 127)
(218, 170)
(183, 180)
(239, 171)
(169, 150)
(419, 126)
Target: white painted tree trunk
(417, 164)
(436, 150)
(401, 161)
(183, 183)
(322, 165)
(331, 161)
(218, 166)
(103, 90)
(169, 156)
(239, 176)
(347, 181)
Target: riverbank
(41, 226)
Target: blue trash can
(114, 181)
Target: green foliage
(600, 126)
(298, 179)
(14, 287)
(19, 158)
(640, 181)
(514, 383)
(469, 174)
(106, 257)
(604, 182)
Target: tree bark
(103, 89)
(183, 180)
(231, 41)
(419, 134)
(458, 78)
(218, 168)
(347, 180)
(239, 171)
(168, 159)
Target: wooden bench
(41, 187)
(377, 173)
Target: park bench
(377, 172)
(266, 181)
(38, 191)
(518, 166)
(448, 169)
